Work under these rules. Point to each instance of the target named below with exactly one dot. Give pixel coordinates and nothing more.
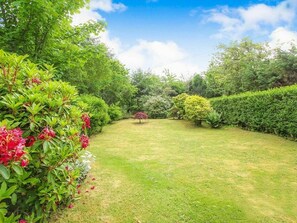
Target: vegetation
(178, 108)
(214, 119)
(245, 66)
(171, 171)
(271, 111)
(140, 116)
(42, 139)
(196, 109)
(98, 110)
(157, 107)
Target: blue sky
(182, 35)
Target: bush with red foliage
(140, 116)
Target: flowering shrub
(98, 111)
(157, 106)
(42, 135)
(140, 116)
(11, 146)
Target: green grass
(170, 171)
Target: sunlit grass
(170, 171)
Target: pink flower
(84, 140)
(87, 122)
(11, 145)
(24, 163)
(79, 192)
(22, 221)
(70, 206)
(47, 134)
(30, 140)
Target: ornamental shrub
(98, 111)
(178, 108)
(157, 107)
(115, 112)
(196, 108)
(214, 119)
(41, 140)
(140, 116)
(271, 111)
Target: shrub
(271, 111)
(98, 111)
(214, 119)
(140, 116)
(178, 108)
(196, 108)
(115, 113)
(41, 139)
(157, 107)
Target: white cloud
(282, 37)
(152, 55)
(158, 56)
(91, 12)
(235, 22)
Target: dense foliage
(157, 107)
(98, 111)
(246, 66)
(41, 138)
(272, 111)
(115, 113)
(214, 119)
(178, 108)
(149, 84)
(196, 109)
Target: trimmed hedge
(271, 111)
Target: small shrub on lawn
(41, 140)
(214, 119)
(196, 108)
(157, 107)
(140, 116)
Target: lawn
(170, 171)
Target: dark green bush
(271, 111)
(214, 119)
(98, 111)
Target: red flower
(36, 80)
(22, 221)
(47, 134)
(79, 192)
(70, 206)
(30, 140)
(24, 163)
(87, 122)
(11, 145)
(84, 141)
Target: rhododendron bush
(42, 137)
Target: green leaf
(14, 198)
(45, 146)
(4, 172)
(18, 169)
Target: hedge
(270, 111)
